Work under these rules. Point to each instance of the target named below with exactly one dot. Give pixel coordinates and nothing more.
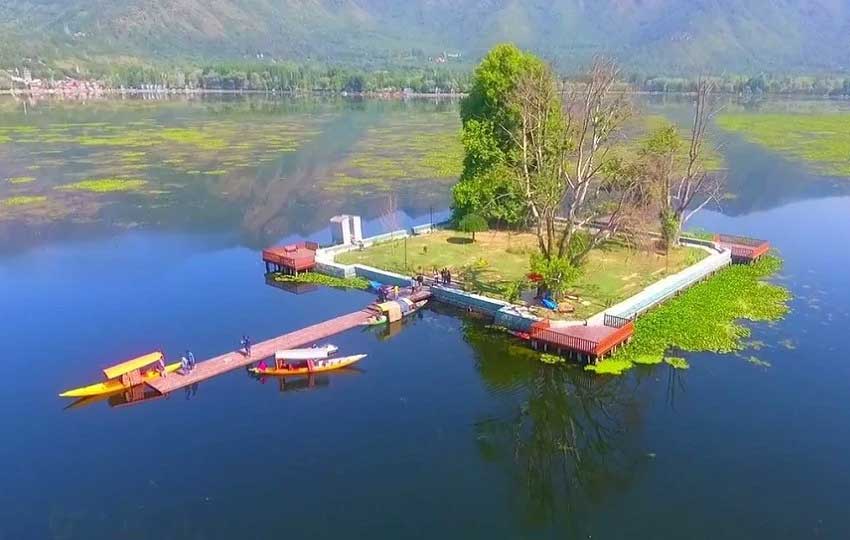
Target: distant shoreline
(106, 93)
(133, 92)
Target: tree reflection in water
(567, 437)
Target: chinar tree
(489, 119)
(675, 172)
(574, 189)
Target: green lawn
(496, 259)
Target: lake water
(443, 430)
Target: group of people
(388, 293)
(443, 277)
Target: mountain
(670, 36)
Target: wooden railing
(612, 321)
(622, 334)
(738, 240)
(625, 329)
(558, 339)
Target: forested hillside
(665, 36)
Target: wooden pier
(229, 361)
(744, 250)
(589, 342)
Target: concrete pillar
(356, 229)
(341, 230)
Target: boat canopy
(136, 363)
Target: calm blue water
(444, 430)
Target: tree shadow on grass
(458, 240)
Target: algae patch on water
(552, 359)
(23, 200)
(401, 149)
(820, 139)
(21, 179)
(677, 362)
(105, 185)
(610, 366)
(321, 279)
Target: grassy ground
(496, 259)
(821, 139)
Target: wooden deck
(744, 250)
(291, 258)
(229, 361)
(594, 341)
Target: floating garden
(403, 149)
(64, 162)
(821, 139)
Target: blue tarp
(549, 303)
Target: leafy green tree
(489, 118)
(473, 223)
(557, 273)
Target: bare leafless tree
(688, 189)
(565, 171)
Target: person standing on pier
(246, 345)
(191, 358)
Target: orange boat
(308, 367)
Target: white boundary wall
(630, 308)
(661, 290)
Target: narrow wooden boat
(382, 318)
(123, 376)
(309, 367)
(307, 353)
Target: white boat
(312, 353)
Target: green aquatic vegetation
(820, 139)
(23, 200)
(328, 281)
(707, 316)
(194, 136)
(647, 359)
(105, 185)
(21, 179)
(445, 157)
(610, 366)
(552, 359)
(405, 149)
(676, 362)
(754, 360)
(216, 172)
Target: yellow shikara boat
(125, 375)
(282, 368)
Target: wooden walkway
(229, 361)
